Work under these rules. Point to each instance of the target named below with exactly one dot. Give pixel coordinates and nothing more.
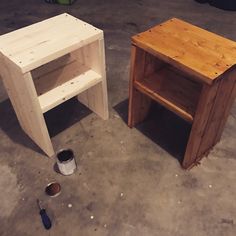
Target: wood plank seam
(198, 122)
(216, 115)
(207, 123)
(227, 110)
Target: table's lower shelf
(55, 85)
(68, 90)
(173, 91)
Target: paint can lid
(53, 189)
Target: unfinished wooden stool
(191, 72)
(47, 63)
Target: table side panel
(204, 109)
(23, 95)
(11, 88)
(95, 98)
(139, 103)
(230, 102)
(224, 94)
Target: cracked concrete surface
(129, 181)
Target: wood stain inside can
(53, 189)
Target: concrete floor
(130, 181)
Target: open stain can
(53, 189)
(66, 161)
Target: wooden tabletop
(196, 51)
(37, 44)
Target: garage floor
(129, 181)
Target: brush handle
(45, 219)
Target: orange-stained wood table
(191, 72)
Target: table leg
(139, 103)
(95, 98)
(208, 125)
(22, 93)
(204, 109)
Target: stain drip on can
(66, 162)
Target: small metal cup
(66, 161)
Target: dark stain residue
(190, 182)
(227, 221)
(90, 206)
(131, 26)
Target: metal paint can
(66, 161)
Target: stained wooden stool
(191, 72)
(47, 63)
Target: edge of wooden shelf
(185, 115)
(71, 88)
(163, 83)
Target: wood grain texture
(192, 73)
(195, 51)
(40, 43)
(81, 73)
(204, 109)
(10, 88)
(219, 111)
(139, 107)
(59, 76)
(139, 103)
(230, 75)
(173, 91)
(47, 63)
(52, 66)
(95, 97)
(61, 93)
(24, 99)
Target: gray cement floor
(130, 181)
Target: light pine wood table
(49, 62)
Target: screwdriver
(44, 217)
